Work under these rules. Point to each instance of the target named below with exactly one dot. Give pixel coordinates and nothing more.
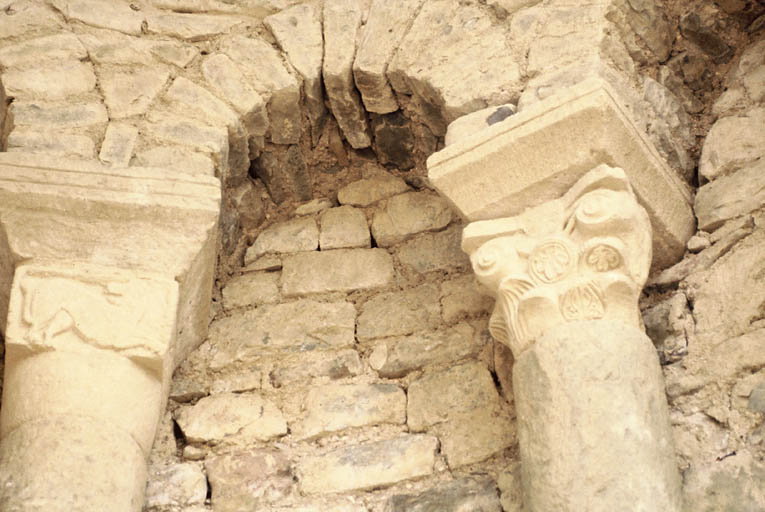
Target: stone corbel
(106, 278)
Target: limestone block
(341, 270)
(199, 102)
(399, 313)
(744, 81)
(49, 82)
(463, 297)
(731, 196)
(455, 63)
(181, 159)
(33, 51)
(368, 191)
(269, 76)
(305, 366)
(435, 251)
(298, 30)
(176, 485)
(335, 407)
(218, 417)
(732, 143)
(51, 142)
(732, 482)
(474, 122)
(56, 114)
(504, 169)
(267, 263)
(102, 14)
(129, 93)
(387, 24)
(190, 27)
(314, 206)
(105, 47)
(229, 82)
(397, 356)
(26, 17)
(407, 214)
(289, 236)
(476, 494)
(303, 324)
(118, 144)
(248, 480)
(344, 227)
(251, 289)
(342, 23)
(368, 465)
(470, 437)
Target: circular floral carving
(603, 258)
(595, 207)
(551, 261)
(581, 303)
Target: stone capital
(583, 256)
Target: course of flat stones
(349, 367)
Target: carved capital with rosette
(584, 256)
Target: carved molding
(583, 256)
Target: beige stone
(474, 122)
(196, 27)
(55, 47)
(732, 143)
(181, 159)
(176, 485)
(194, 100)
(399, 313)
(430, 252)
(506, 168)
(387, 24)
(33, 140)
(305, 366)
(128, 93)
(406, 215)
(479, 495)
(49, 82)
(342, 23)
(27, 17)
(467, 438)
(218, 417)
(298, 30)
(344, 227)
(731, 196)
(462, 297)
(102, 14)
(118, 144)
(251, 289)
(289, 236)
(368, 191)
(56, 114)
(369, 465)
(340, 270)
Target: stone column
(106, 278)
(593, 423)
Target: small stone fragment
(314, 206)
(475, 495)
(176, 485)
(50, 82)
(118, 144)
(129, 93)
(408, 214)
(288, 236)
(251, 289)
(368, 465)
(698, 243)
(399, 313)
(217, 417)
(344, 227)
(368, 191)
(284, 172)
(341, 270)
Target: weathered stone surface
(106, 47)
(102, 14)
(395, 357)
(695, 30)
(26, 17)
(408, 214)
(335, 407)
(324, 504)
(368, 465)
(191, 99)
(284, 171)
(462, 297)
(643, 29)
(218, 417)
(314, 206)
(304, 366)
(510, 6)
(510, 489)
(670, 324)
(475, 495)
(745, 82)
(190, 27)
(731, 196)
(399, 313)
(50, 142)
(228, 81)
(394, 141)
(49, 82)
(732, 143)
(118, 144)
(251, 289)
(184, 160)
(342, 21)
(268, 263)
(368, 191)
(732, 483)
(435, 251)
(248, 480)
(210, 140)
(176, 485)
(341, 270)
(263, 65)
(387, 23)
(289, 236)
(128, 93)
(55, 47)
(57, 114)
(237, 381)
(344, 227)
(455, 63)
(465, 126)
(299, 325)
(298, 31)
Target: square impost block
(537, 154)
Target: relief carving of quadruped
(584, 256)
